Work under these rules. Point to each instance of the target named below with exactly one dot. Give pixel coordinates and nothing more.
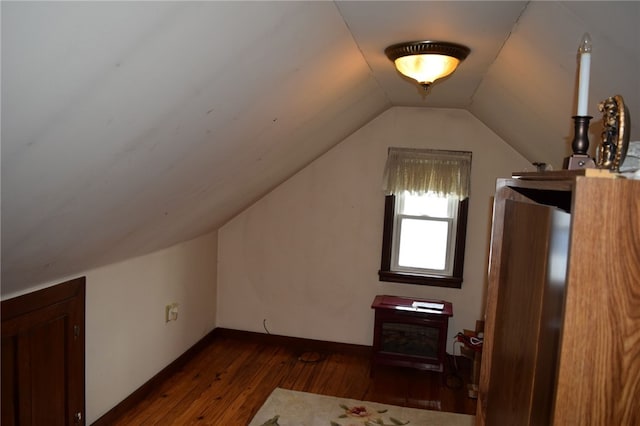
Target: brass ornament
(615, 134)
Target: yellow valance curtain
(419, 171)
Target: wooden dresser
(562, 331)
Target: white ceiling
(131, 126)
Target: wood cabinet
(43, 364)
(562, 331)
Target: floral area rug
(289, 408)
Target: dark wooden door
(43, 356)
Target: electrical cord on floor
(311, 357)
(453, 379)
(307, 356)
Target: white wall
(305, 257)
(127, 339)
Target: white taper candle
(585, 68)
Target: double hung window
(425, 216)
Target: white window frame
(451, 221)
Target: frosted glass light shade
(425, 69)
(426, 61)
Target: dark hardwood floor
(227, 381)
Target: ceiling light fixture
(426, 61)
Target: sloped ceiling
(130, 126)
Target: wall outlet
(171, 312)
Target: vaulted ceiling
(131, 126)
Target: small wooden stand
(410, 332)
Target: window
(425, 216)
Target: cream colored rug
(292, 408)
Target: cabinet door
(43, 357)
(528, 287)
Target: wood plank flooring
(228, 381)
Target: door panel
(9, 380)
(531, 287)
(48, 372)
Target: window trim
(386, 274)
